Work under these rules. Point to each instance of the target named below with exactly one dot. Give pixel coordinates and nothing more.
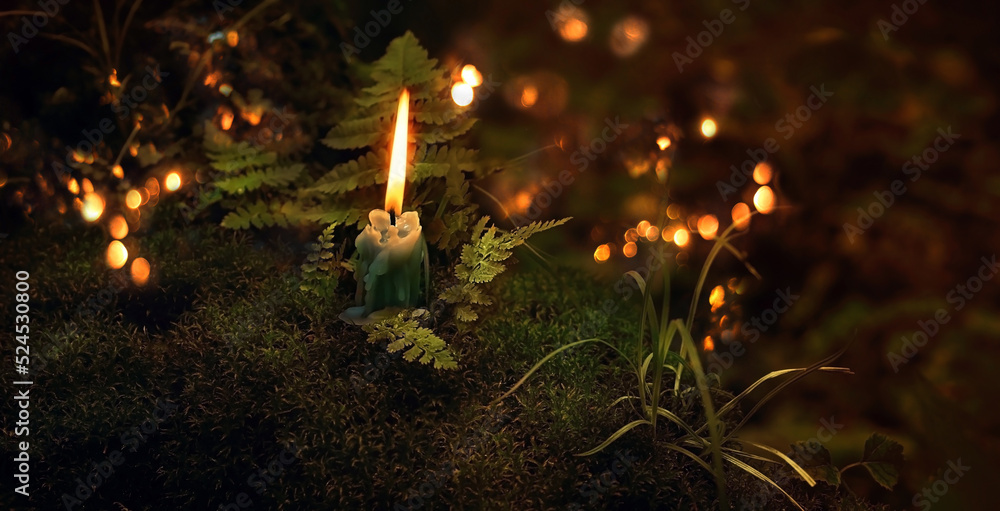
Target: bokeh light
(630, 249)
(741, 215)
(717, 297)
(172, 181)
(663, 143)
(602, 253)
(762, 173)
(117, 254)
(628, 35)
(763, 200)
(571, 22)
(708, 127)
(471, 75)
(462, 94)
(118, 227)
(529, 95)
(140, 271)
(93, 207)
(133, 199)
(652, 232)
(681, 237)
(708, 226)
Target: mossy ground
(254, 365)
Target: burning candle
(391, 248)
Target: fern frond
(275, 177)
(403, 332)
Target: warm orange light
(574, 27)
(152, 186)
(118, 227)
(642, 226)
(87, 186)
(73, 186)
(462, 94)
(226, 89)
(681, 237)
(93, 207)
(251, 116)
(762, 173)
(631, 235)
(652, 232)
(764, 199)
(602, 253)
(529, 95)
(717, 297)
(397, 165)
(134, 149)
(630, 249)
(741, 215)
(226, 119)
(212, 78)
(709, 344)
(118, 171)
(472, 76)
(117, 254)
(708, 226)
(708, 127)
(663, 142)
(113, 79)
(674, 211)
(172, 182)
(140, 271)
(232, 38)
(133, 199)
(522, 201)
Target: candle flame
(397, 165)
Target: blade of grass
(756, 473)
(714, 425)
(548, 357)
(795, 466)
(615, 436)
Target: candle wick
(392, 217)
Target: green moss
(254, 365)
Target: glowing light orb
(717, 297)
(93, 207)
(708, 127)
(630, 249)
(602, 253)
(117, 254)
(762, 173)
(763, 200)
(133, 199)
(118, 227)
(741, 216)
(462, 94)
(708, 226)
(140, 271)
(172, 182)
(529, 95)
(472, 76)
(681, 237)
